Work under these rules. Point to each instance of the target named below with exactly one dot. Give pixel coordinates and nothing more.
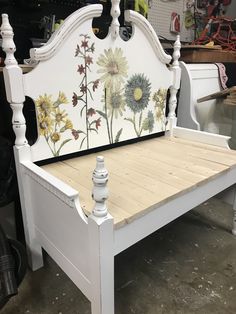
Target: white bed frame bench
(118, 90)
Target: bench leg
(101, 265)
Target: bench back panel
(91, 92)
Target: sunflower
(114, 68)
(55, 137)
(148, 122)
(159, 98)
(45, 125)
(44, 104)
(115, 103)
(59, 116)
(137, 92)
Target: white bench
(92, 94)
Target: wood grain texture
(145, 175)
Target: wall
(160, 16)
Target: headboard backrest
(91, 92)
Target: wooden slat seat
(145, 175)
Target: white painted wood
(203, 137)
(33, 246)
(59, 221)
(101, 246)
(70, 24)
(186, 112)
(115, 13)
(141, 22)
(137, 86)
(13, 82)
(100, 190)
(199, 80)
(176, 83)
(82, 244)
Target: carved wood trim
(145, 26)
(67, 199)
(70, 24)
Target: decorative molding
(176, 53)
(68, 200)
(71, 23)
(145, 26)
(100, 191)
(115, 13)
(8, 44)
(13, 82)
(175, 68)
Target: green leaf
(82, 142)
(62, 144)
(140, 119)
(81, 111)
(130, 120)
(92, 129)
(103, 114)
(118, 135)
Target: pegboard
(160, 17)
(66, 3)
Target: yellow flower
(68, 125)
(45, 125)
(62, 99)
(44, 104)
(55, 137)
(159, 98)
(113, 67)
(59, 116)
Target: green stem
(86, 102)
(108, 130)
(111, 122)
(135, 128)
(46, 138)
(140, 125)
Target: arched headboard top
(91, 92)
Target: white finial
(115, 13)
(175, 86)
(100, 191)
(13, 82)
(8, 45)
(176, 53)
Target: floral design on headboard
(87, 88)
(159, 98)
(53, 121)
(122, 98)
(137, 94)
(113, 67)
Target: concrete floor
(186, 267)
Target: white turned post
(13, 82)
(100, 191)
(13, 79)
(176, 84)
(115, 13)
(101, 245)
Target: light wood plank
(145, 175)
